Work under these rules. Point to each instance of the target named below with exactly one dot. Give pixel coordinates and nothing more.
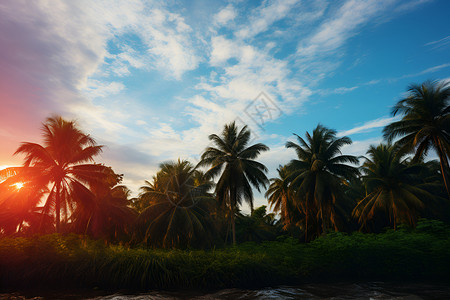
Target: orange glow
(18, 185)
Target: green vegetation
(404, 254)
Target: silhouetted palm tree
(107, 214)
(233, 159)
(280, 198)
(178, 212)
(425, 123)
(19, 200)
(318, 175)
(9, 172)
(257, 227)
(61, 163)
(392, 185)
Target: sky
(151, 80)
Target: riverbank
(72, 261)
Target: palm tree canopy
(62, 163)
(107, 213)
(318, 174)
(233, 159)
(277, 193)
(178, 211)
(392, 186)
(426, 118)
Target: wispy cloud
(339, 90)
(264, 16)
(381, 122)
(445, 40)
(426, 71)
(96, 88)
(335, 31)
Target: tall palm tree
(425, 123)
(318, 175)
(178, 207)
(392, 185)
(61, 162)
(233, 159)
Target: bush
(71, 261)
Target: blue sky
(151, 81)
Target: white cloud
(343, 90)
(426, 71)
(255, 71)
(222, 50)
(96, 88)
(360, 147)
(340, 90)
(263, 17)
(381, 122)
(344, 24)
(409, 5)
(225, 15)
(439, 42)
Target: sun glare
(18, 185)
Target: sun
(18, 185)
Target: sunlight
(18, 185)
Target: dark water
(373, 290)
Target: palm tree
(425, 123)
(279, 196)
(233, 159)
(19, 199)
(318, 175)
(61, 163)
(9, 172)
(392, 185)
(257, 227)
(107, 214)
(178, 212)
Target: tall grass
(72, 261)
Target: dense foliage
(68, 261)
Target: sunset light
(18, 185)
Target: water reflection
(373, 290)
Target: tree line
(60, 188)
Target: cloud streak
(368, 126)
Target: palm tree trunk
(306, 226)
(57, 207)
(228, 232)
(233, 225)
(443, 163)
(232, 205)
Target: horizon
(151, 81)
